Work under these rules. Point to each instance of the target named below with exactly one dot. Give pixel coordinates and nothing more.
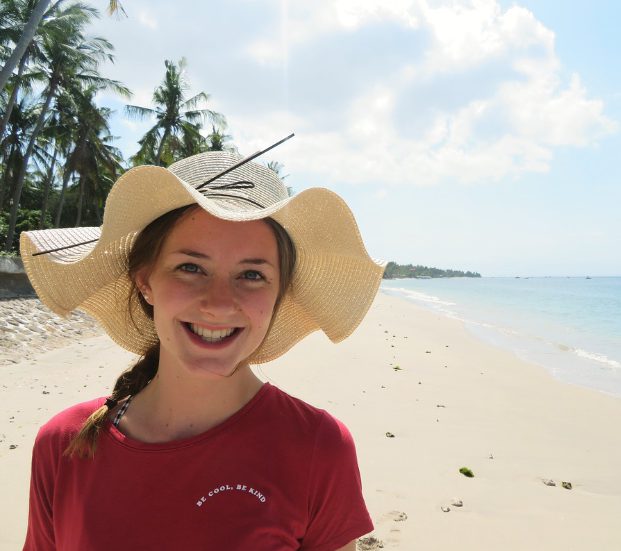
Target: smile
(210, 336)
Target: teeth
(211, 336)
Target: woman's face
(213, 288)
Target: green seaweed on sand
(466, 472)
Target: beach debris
(420, 383)
(549, 482)
(390, 435)
(445, 509)
(383, 386)
(466, 472)
(491, 456)
(457, 502)
(427, 351)
(385, 331)
(397, 368)
(440, 406)
(398, 516)
(12, 446)
(45, 392)
(369, 543)
(566, 485)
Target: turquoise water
(571, 326)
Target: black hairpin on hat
(212, 189)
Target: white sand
(491, 403)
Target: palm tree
(13, 145)
(23, 119)
(218, 141)
(36, 14)
(92, 158)
(277, 168)
(178, 120)
(74, 59)
(51, 28)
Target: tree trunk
(160, 149)
(61, 198)
(46, 190)
(11, 102)
(22, 175)
(66, 176)
(78, 218)
(27, 33)
(6, 179)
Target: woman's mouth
(212, 335)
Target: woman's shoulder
(327, 429)
(68, 422)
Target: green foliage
(398, 271)
(179, 121)
(27, 220)
(466, 472)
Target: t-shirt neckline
(118, 437)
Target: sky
(474, 135)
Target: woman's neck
(172, 406)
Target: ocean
(569, 325)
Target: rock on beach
(27, 327)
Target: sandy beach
(423, 398)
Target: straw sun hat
(334, 280)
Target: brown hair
(144, 253)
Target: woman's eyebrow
(196, 254)
(257, 261)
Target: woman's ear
(142, 284)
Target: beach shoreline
(569, 326)
(423, 397)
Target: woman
(203, 269)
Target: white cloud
(146, 19)
(514, 109)
(390, 92)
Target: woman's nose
(218, 298)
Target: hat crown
(251, 181)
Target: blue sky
(477, 135)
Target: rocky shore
(27, 327)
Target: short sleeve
(337, 510)
(40, 534)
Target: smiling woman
(202, 281)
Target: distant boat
(588, 277)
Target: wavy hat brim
(333, 284)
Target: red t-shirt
(277, 475)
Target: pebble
(566, 485)
(369, 543)
(27, 327)
(457, 502)
(549, 482)
(446, 509)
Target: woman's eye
(253, 275)
(189, 267)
